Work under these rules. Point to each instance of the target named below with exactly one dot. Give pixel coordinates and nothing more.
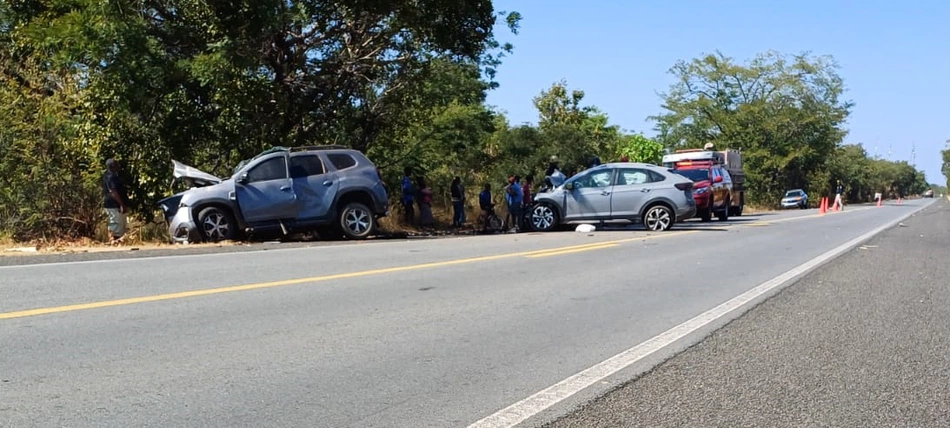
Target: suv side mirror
(569, 186)
(242, 179)
(718, 179)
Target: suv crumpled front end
(183, 228)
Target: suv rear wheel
(357, 221)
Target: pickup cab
(712, 188)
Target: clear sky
(894, 57)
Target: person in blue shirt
(514, 196)
(486, 205)
(407, 196)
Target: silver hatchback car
(628, 192)
(333, 190)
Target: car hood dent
(200, 177)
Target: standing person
(554, 174)
(527, 200)
(115, 201)
(458, 202)
(486, 205)
(425, 204)
(515, 198)
(407, 197)
(839, 191)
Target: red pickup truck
(719, 181)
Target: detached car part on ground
(334, 191)
(616, 192)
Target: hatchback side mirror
(569, 186)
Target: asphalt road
(393, 334)
(861, 342)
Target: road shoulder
(860, 342)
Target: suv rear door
(265, 192)
(313, 185)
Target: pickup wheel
(707, 213)
(724, 214)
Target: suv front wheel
(357, 221)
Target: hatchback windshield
(693, 174)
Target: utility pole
(913, 154)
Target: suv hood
(200, 178)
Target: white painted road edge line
(542, 400)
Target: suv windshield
(793, 193)
(693, 174)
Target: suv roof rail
(323, 147)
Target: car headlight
(701, 190)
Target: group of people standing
(518, 193)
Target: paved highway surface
(426, 333)
(862, 342)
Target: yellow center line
(323, 278)
(576, 250)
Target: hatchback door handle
(285, 188)
(327, 183)
(605, 194)
(645, 190)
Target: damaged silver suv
(333, 190)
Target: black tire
(658, 218)
(707, 214)
(356, 221)
(544, 217)
(724, 214)
(216, 224)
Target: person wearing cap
(115, 201)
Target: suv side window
(341, 161)
(631, 176)
(302, 166)
(271, 169)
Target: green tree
(786, 114)
(211, 83)
(945, 168)
(640, 149)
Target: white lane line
(544, 399)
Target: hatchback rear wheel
(658, 218)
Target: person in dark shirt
(407, 196)
(115, 201)
(458, 202)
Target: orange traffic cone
(836, 204)
(900, 201)
(879, 200)
(823, 207)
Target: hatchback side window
(629, 176)
(341, 161)
(305, 166)
(271, 169)
(596, 179)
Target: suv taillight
(684, 186)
